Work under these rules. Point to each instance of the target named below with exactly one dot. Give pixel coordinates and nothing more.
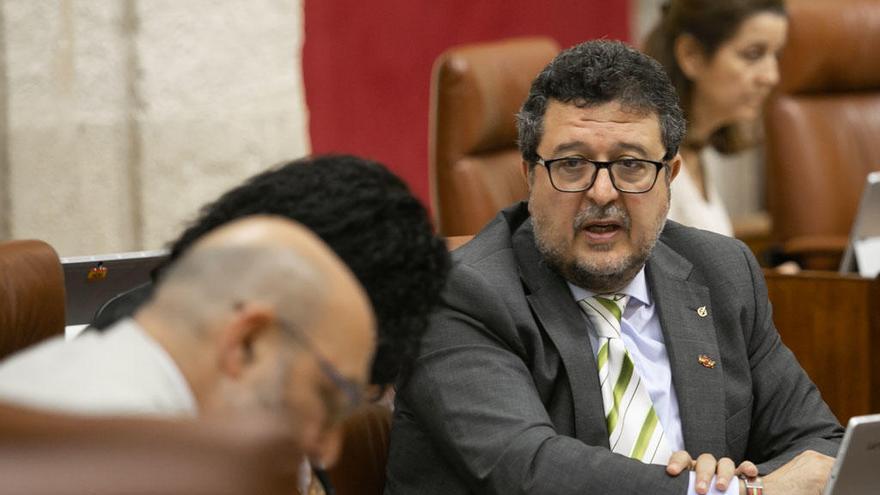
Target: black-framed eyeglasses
(351, 390)
(577, 174)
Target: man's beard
(607, 277)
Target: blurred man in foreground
(259, 316)
(370, 219)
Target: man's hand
(807, 473)
(705, 467)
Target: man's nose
(602, 192)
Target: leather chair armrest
(816, 252)
(756, 229)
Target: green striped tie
(633, 426)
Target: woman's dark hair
(711, 23)
(369, 217)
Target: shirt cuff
(733, 489)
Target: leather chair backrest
(31, 294)
(823, 123)
(476, 91)
(360, 469)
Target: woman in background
(722, 59)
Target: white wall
(644, 15)
(121, 117)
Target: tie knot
(605, 311)
(613, 303)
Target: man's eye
(631, 164)
(572, 163)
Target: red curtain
(367, 64)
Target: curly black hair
(597, 72)
(369, 217)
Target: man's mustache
(608, 213)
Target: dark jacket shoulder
(713, 256)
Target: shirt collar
(637, 289)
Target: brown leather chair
(455, 242)
(476, 91)
(823, 127)
(31, 294)
(46, 453)
(360, 469)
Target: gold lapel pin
(702, 311)
(706, 361)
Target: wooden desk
(832, 324)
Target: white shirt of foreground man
(258, 316)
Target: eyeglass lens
(577, 174)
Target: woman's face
(733, 83)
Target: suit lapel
(689, 333)
(561, 319)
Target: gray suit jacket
(505, 397)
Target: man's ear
(527, 174)
(675, 166)
(690, 56)
(236, 345)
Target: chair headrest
(832, 46)
(480, 88)
(31, 294)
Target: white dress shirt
(688, 206)
(119, 371)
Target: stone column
(644, 15)
(118, 119)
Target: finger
(678, 462)
(747, 468)
(724, 472)
(704, 469)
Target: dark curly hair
(369, 217)
(598, 72)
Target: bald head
(250, 311)
(272, 232)
(263, 259)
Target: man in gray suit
(583, 338)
